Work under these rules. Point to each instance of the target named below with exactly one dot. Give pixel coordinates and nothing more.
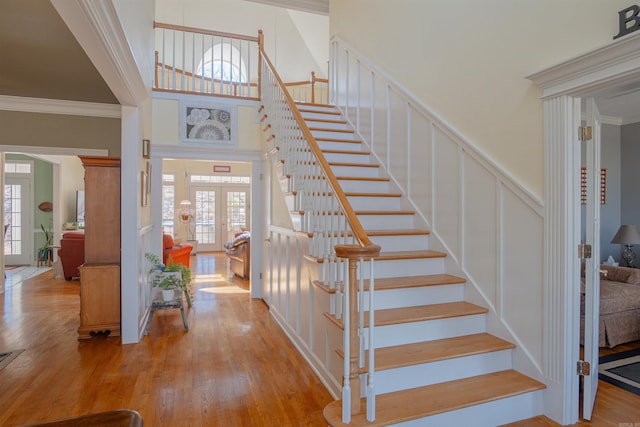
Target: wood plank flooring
(234, 367)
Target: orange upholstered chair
(179, 253)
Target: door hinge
(260, 275)
(584, 251)
(583, 368)
(584, 133)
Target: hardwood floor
(235, 367)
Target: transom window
(223, 62)
(220, 179)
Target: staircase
(435, 364)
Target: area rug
(622, 370)
(7, 356)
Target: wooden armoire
(100, 273)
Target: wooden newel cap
(357, 251)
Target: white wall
(287, 49)
(468, 61)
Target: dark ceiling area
(42, 59)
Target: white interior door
(592, 264)
(18, 239)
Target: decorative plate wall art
(204, 124)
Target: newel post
(260, 52)
(354, 254)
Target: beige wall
(467, 60)
(287, 49)
(165, 123)
(58, 130)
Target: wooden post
(313, 87)
(354, 342)
(260, 52)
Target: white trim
(59, 106)
(53, 151)
(96, 26)
(205, 98)
(614, 63)
(204, 153)
(617, 61)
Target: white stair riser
(355, 171)
(321, 114)
(401, 243)
(391, 380)
(408, 333)
(291, 202)
(409, 297)
(386, 222)
(369, 203)
(347, 158)
(354, 186)
(490, 414)
(336, 145)
(407, 267)
(328, 134)
(327, 125)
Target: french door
(18, 243)
(220, 212)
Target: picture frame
(208, 124)
(144, 196)
(146, 148)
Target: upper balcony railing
(193, 60)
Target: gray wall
(630, 187)
(610, 213)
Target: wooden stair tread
(397, 255)
(315, 104)
(347, 141)
(331, 130)
(337, 122)
(436, 350)
(331, 151)
(386, 283)
(355, 165)
(406, 405)
(394, 316)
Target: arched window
(223, 62)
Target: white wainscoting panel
(490, 224)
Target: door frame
(255, 157)
(563, 85)
(28, 227)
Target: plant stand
(159, 303)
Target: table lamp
(627, 235)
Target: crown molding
(313, 6)
(204, 153)
(59, 106)
(618, 61)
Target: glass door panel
(17, 244)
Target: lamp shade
(627, 235)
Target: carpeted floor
(7, 356)
(622, 370)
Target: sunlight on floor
(203, 278)
(224, 290)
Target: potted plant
(169, 277)
(44, 252)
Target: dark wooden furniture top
(117, 418)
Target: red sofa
(179, 253)
(71, 253)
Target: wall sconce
(627, 235)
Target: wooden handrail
(366, 246)
(205, 32)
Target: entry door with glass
(18, 244)
(220, 212)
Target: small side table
(159, 303)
